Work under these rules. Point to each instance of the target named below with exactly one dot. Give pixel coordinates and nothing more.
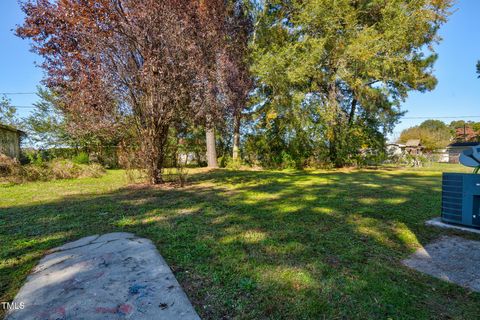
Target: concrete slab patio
(452, 259)
(112, 276)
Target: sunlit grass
(256, 244)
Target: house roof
(10, 128)
(400, 145)
(464, 144)
(413, 143)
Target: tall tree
(237, 81)
(46, 126)
(465, 131)
(8, 113)
(355, 60)
(210, 36)
(121, 62)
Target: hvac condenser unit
(461, 199)
(461, 192)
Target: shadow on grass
(264, 244)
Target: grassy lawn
(255, 245)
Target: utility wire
(16, 93)
(403, 118)
(455, 117)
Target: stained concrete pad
(112, 276)
(452, 259)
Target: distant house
(414, 147)
(454, 150)
(395, 149)
(10, 141)
(441, 155)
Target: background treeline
(267, 83)
(435, 134)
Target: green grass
(256, 244)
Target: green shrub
(37, 159)
(223, 160)
(34, 172)
(226, 161)
(93, 170)
(81, 158)
(287, 161)
(177, 175)
(10, 169)
(53, 170)
(318, 163)
(63, 169)
(233, 164)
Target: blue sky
(17, 70)
(457, 92)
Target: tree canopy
(465, 131)
(123, 63)
(338, 70)
(310, 81)
(8, 113)
(433, 134)
(47, 126)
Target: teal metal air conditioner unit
(461, 192)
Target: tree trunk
(211, 151)
(155, 166)
(352, 111)
(334, 150)
(156, 174)
(236, 136)
(154, 145)
(335, 143)
(335, 158)
(176, 154)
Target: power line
(16, 93)
(403, 118)
(454, 117)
